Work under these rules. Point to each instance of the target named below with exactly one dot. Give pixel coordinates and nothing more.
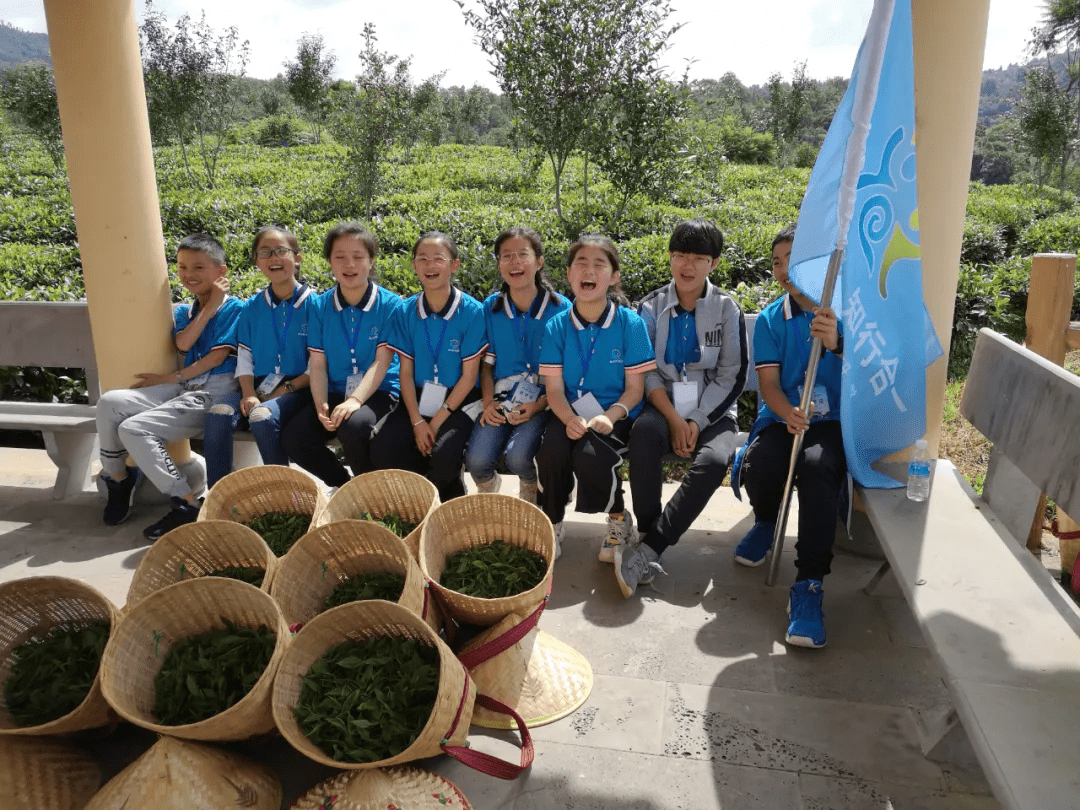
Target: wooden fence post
(1050, 296)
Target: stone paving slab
(697, 702)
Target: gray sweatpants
(140, 422)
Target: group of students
(558, 392)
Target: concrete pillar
(99, 85)
(949, 39)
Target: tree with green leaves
(557, 61)
(191, 75)
(28, 94)
(1058, 37)
(371, 116)
(1047, 125)
(308, 80)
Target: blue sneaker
(753, 548)
(807, 626)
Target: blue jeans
(518, 442)
(218, 434)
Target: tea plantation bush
(472, 192)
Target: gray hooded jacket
(721, 333)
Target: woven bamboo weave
(327, 556)
(475, 520)
(252, 492)
(359, 621)
(197, 550)
(44, 774)
(148, 630)
(404, 493)
(31, 608)
(402, 786)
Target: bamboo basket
(448, 724)
(197, 550)
(148, 630)
(324, 558)
(252, 492)
(405, 493)
(475, 520)
(30, 609)
(43, 774)
(179, 775)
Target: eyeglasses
(266, 253)
(698, 260)
(521, 255)
(435, 260)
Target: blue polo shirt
(439, 343)
(514, 338)
(682, 344)
(272, 335)
(782, 340)
(220, 332)
(350, 335)
(616, 344)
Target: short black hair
(439, 237)
(350, 229)
(697, 236)
(204, 243)
(787, 234)
(284, 232)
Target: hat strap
(485, 652)
(491, 765)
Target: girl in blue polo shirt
(439, 335)
(515, 405)
(593, 360)
(271, 362)
(354, 373)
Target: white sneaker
(620, 532)
(527, 491)
(491, 485)
(558, 527)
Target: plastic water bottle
(918, 479)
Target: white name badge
(195, 383)
(524, 391)
(269, 383)
(353, 382)
(587, 407)
(820, 401)
(432, 396)
(685, 395)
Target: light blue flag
(862, 199)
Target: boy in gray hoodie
(699, 337)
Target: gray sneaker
(636, 565)
(491, 485)
(620, 533)
(558, 527)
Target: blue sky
(750, 39)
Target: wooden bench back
(1029, 408)
(53, 334)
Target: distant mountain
(18, 46)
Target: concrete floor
(697, 703)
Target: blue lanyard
(437, 347)
(352, 338)
(284, 332)
(522, 333)
(586, 359)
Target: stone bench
(1006, 637)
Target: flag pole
(807, 407)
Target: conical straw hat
(197, 549)
(401, 787)
(180, 775)
(540, 677)
(405, 493)
(38, 773)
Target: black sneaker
(121, 496)
(181, 513)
